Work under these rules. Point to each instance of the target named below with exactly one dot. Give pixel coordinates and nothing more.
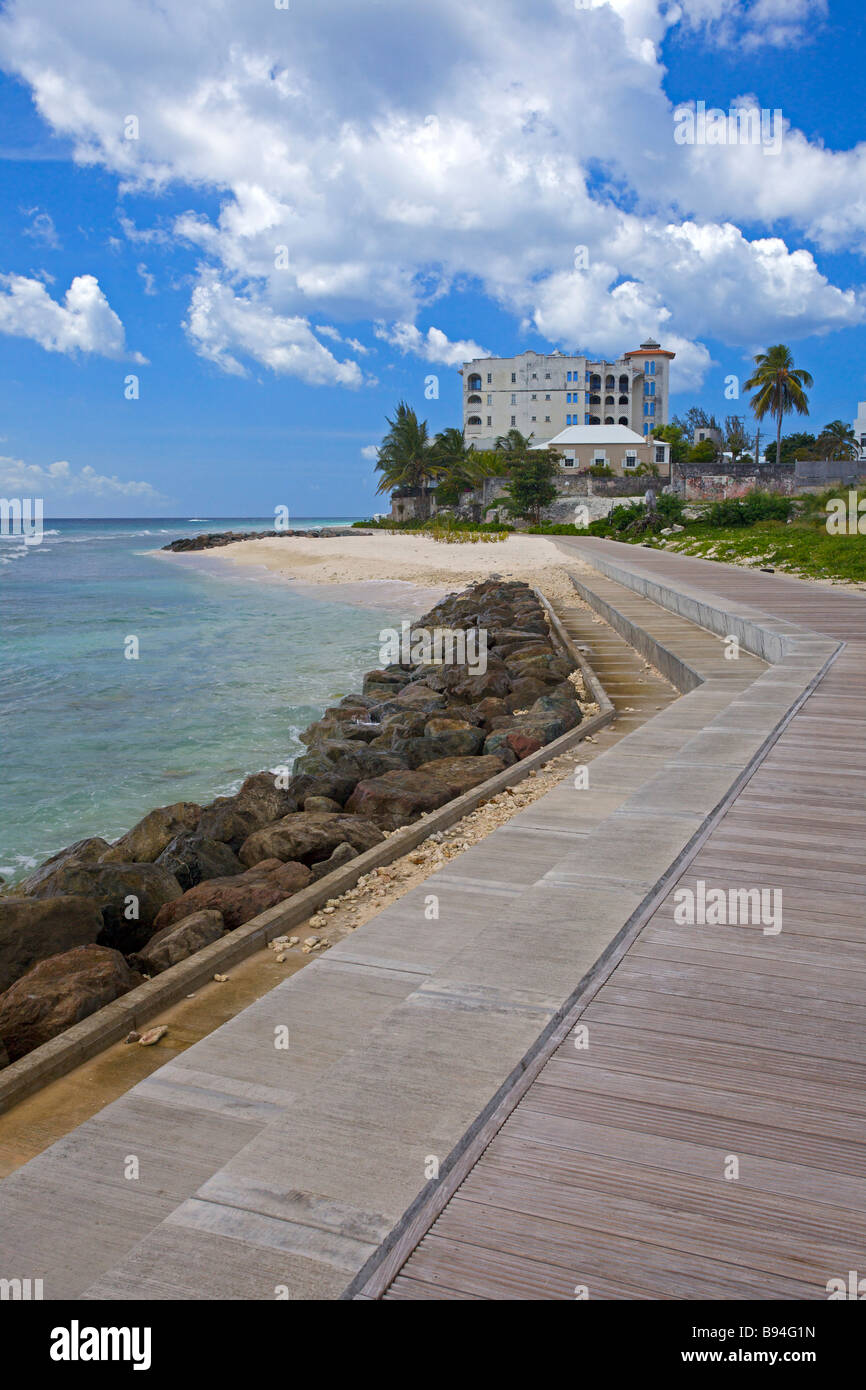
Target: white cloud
(84, 322)
(146, 278)
(754, 24)
(59, 481)
(221, 323)
(432, 346)
(371, 452)
(446, 151)
(41, 227)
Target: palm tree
(837, 441)
(513, 445)
(779, 387)
(460, 468)
(405, 457)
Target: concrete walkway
(708, 1140)
(309, 1168)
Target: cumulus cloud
(370, 188)
(432, 346)
(371, 452)
(60, 481)
(84, 322)
(221, 323)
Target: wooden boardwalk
(708, 1141)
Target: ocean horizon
(232, 665)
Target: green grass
(800, 548)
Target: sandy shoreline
(344, 564)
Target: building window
(547, 397)
(533, 419)
(547, 376)
(513, 376)
(534, 397)
(489, 398)
(489, 421)
(535, 376)
(568, 398)
(649, 388)
(660, 453)
(513, 398)
(646, 429)
(568, 378)
(474, 383)
(649, 407)
(586, 419)
(474, 400)
(599, 459)
(649, 368)
(630, 461)
(514, 419)
(623, 419)
(547, 419)
(569, 461)
(489, 378)
(474, 420)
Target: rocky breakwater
(97, 918)
(210, 540)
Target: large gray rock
(82, 852)
(397, 798)
(129, 896)
(175, 943)
(58, 992)
(192, 858)
(343, 854)
(32, 929)
(460, 683)
(232, 819)
(146, 840)
(459, 775)
(442, 738)
(309, 838)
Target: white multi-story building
(541, 394)
(860, 428)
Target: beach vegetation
(530, 487)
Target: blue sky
(429, 171)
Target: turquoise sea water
(233, 664)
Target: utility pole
(758, 447)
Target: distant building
(710, 432)
(544, 393)
(860, 428)
(616, 447)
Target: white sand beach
(407, 558)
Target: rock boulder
(239, 899)
(146, 840)
(309, 837)
(173, 944)
(128, 895)
(59, 992)
(192, 858)
(32, 929)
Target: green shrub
(745, 511)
